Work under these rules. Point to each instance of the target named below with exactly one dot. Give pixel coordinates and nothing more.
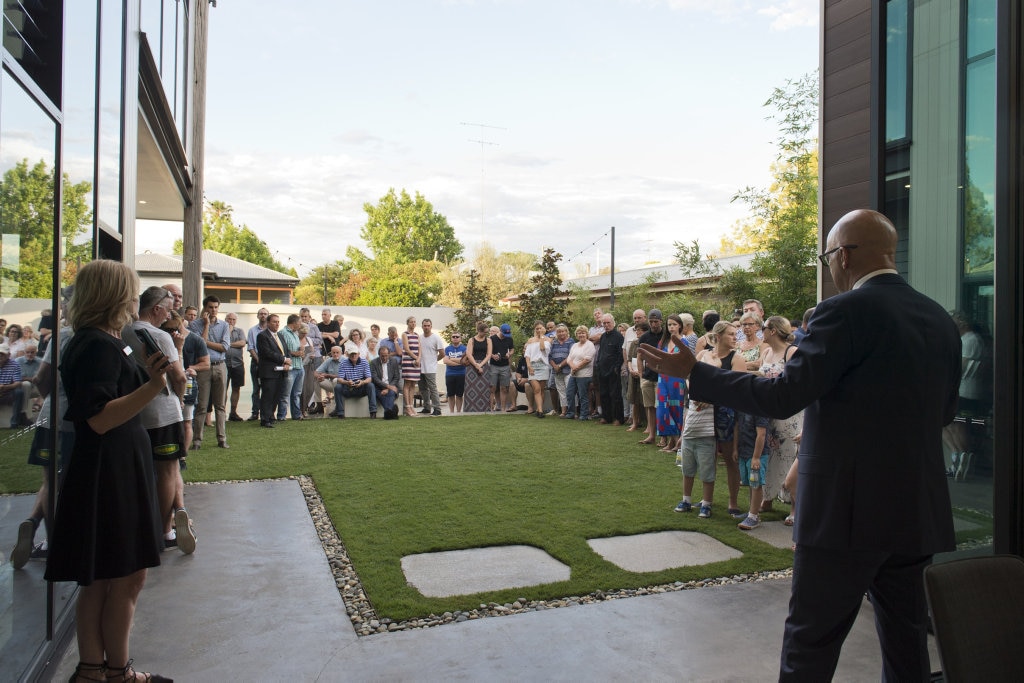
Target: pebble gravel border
(366, 621)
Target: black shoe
(373, 415)
(253, 418)
(437, 412)
(268, 425)
(425, 411)
(235, 417)
(223, 444)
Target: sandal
(129, 674)
(647, 441)
(788, 521)
(85, 667)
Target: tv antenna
(483, 143)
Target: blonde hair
(781, 327)
(105, 296)
(719, 328)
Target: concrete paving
(476, 570)
(257, 601)
(660, 550)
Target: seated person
(327, 372)
(10, 382)
(521, 380)
(354, 381)
(386, 372)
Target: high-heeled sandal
(84, 667)
(129, 674)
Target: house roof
(670, 273)
(216, 267)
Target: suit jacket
(269, 354)
(394, 373)
(878, 374)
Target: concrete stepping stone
(662, 550)
(477, 570)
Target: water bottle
(755, 478)
(189, 383)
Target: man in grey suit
(386, 374)
(878, 374)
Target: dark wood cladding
(846, 113)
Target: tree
(784, 223)
(331, 277)
(498, 275)
(474, 305)
(693, 262)
(220, 234)
(26, 212)
(540, 302)
(400, 229)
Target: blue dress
(671, 398)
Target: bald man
(873, 505)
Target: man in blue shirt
(354, 381)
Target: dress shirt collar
(874, 273)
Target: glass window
(108, 184)
(897, 92)
(249, 296)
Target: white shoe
(186, 534)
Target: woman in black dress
(107, 530)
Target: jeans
(290, 392)
(576, 392)
(343, 391)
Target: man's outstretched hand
(672, 364)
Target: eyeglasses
(824, 258)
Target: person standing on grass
(868, 520)
(212, 387)
(500, 371)
(254, 361)
(455, 372)
(536, 351)
(431, 350)
(235, 364)
(275, 366)
(609, 366)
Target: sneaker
(23, 548)
(186, 534)
(553, 412)
(40, 552)
(437, 412)
(705, 511)
(425, 411)
(736, 513)
(568, 416)
(684, 506)
(751, 522)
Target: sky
(646, 115)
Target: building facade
(921, 119)
(100, 125)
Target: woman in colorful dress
(671, 392)
(782, 434)
(751, 348)
(410, 364)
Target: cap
(655, 313)
(350, 348)
(506, 329)
(5, 348)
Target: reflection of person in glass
(974, 398)
(106, 527)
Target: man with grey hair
(609, 367)
(751, 306)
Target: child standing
(754, 456)
(698, 456)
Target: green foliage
(26, 211)
(693, 262)
(400, 229)
(579, 307)
(785, 215)
(735, 286)
(628, 299)
(330, 276)
(979, 229)
(392, 291)
(474, 305)
(540, 302)
(220, 234)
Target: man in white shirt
(431, 350)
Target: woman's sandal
(647, 441)
(84, 668)
(129, 674)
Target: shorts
(236, 376)
(168, 442)
(698, 454)
(499, 375)
(455, 385)
(188, 411)
(39, 451)
(649, 390)
(755, 478)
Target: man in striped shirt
(354, 381)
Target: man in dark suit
(878, 374)
(273, 364)
(608, 367)
(386, 373)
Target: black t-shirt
(652, 339)
(332, 327)
(503, 347)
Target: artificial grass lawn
(428, 484)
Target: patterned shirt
(354, 372)
(10, 372)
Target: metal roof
(669, 272)
(216, 266)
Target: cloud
(784, 14)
